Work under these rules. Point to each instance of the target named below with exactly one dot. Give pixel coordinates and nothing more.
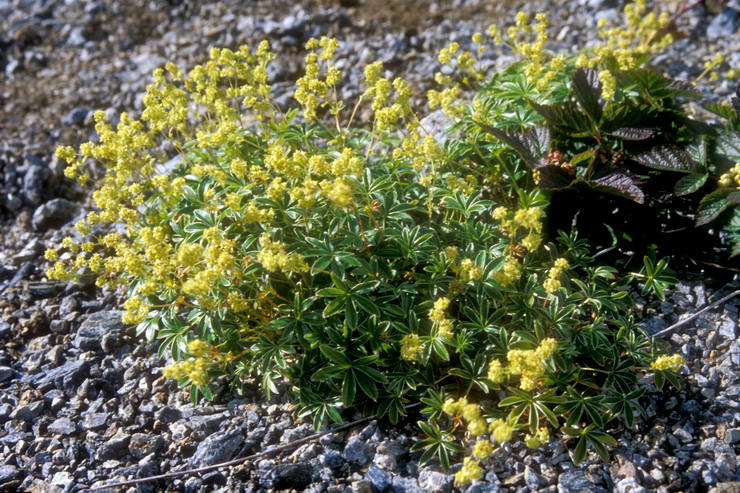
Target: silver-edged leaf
(729, 145)
(621, 183)
(631, 133)
(668, 158)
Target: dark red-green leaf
(530, 146)
(553, 177)
(587, 91)
(567, 118)
(669, 158)
(712, 206)
(621, 183)
(630, 133)
(734, 197)
(690, 184)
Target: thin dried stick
(692, 317)
(234, 462)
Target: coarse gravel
(82, 400)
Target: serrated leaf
(631, 133)
(729, 145)
(567, 118)
(621, 183)
(587, 91)
(724, 110)
(553, 177)
(668, 158)
(712, 206)
(583, 156)
(530, 146)
(690, 184)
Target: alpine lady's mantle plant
(372, 267)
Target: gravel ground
(82, 401)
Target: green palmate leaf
(631, 133)
(587, 91)
(622, 183)
(669, 158)
(712, 206)
(690, 184)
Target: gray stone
(629, 485)
(142, 444)
(8, 474)
(533, 480)
(90, 335)
(331, 459)
(76, 117)
(218, 447)
(33, 181)
(63, 426)
(724, 24)
(168, 414)
(93, 421)
(115, 448)
(6, 373)
(358, 452)
(291, 476)
(406, 485)
(434, 481)
(576, 481)
(732, 436)
(29, 411)
(378, 478)
(653, 325)
(727, 329)
(53, 214)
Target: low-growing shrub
(373, 267)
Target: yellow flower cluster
(468, 271)
(501, 430)
(532, 52)
(608, 85)
(438, 317)
(668, 363)
(340, 192)
(509, 272)
(410, 347)
(195, 369)
(540, 438)
(643, 33)
(529, 364)
(135, 310)
(731, 178)
(273, 257)
(470, 471)
(312, 91)
(496, 372)
(388, 111)
(552, 283)
(470, 412)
